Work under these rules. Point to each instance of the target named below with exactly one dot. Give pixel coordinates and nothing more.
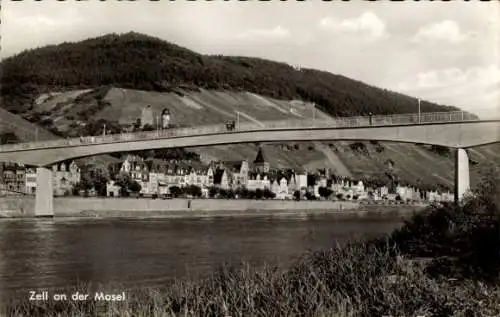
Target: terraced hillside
(412, 163)
(27, 131)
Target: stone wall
(76, 205)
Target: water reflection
(147, 252)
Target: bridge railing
(333, 122)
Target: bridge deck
(332, 123)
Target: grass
(373, 278)
(356, 280)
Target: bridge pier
(44, 196)
(462, 180)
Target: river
(57, 253)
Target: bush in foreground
(464, 240)
(360, 279)
(357, 280)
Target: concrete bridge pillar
(44, 195)
(462, 180)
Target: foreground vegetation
(387, 276)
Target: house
(147, 117)
(292, 184)
(280, 188)
(260, 164)
(275, 187)
(221, 179)
(30, 182)
(258, 181)
(112, 190)
(9, 176)
(65, 176)
(239, 173)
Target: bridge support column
(462, 180)
(44, 195)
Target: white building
(64, 178)
(112, 190)
(31, 180)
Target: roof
(218, 176)
(260, 157)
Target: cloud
(456, 76)
(265, 34)
(22, 30)
(368, 26)
(476, 88)
(446, 30)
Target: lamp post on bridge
(419, 115)
(314, 112)
(238, 120)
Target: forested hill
(138, 61)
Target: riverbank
(18, 207)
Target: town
(155, 178)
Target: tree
(212, 192)
(134, 187)
(137, 125)
(175, 191)
(193, 190)
(296, 195)
(325, 192)
(259, 193)
(310, 196)
(268, 194)
(98, 178)
(123, 181)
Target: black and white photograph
(249, 158)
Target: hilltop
(137, 61)
(73, 88)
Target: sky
(446, 52)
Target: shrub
(259, 193)
(296, 195)
(268, 194)
(325, 192)
(212, 192)
(175, 191)
(134, 187)
(193, 190)
(464, 239)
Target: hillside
(26, 131)
(72, 88)
(142, 62)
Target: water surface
(57, 253)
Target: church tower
(260, 164)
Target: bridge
(458, 130)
